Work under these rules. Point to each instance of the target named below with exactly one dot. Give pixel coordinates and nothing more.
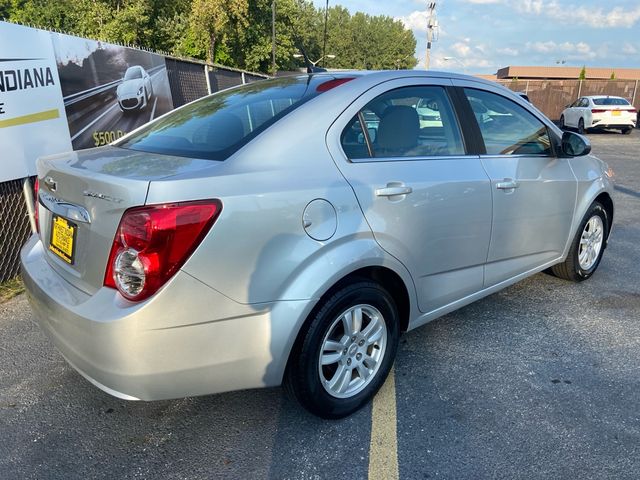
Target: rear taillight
(633, 110)
(153, 242)
(36, 188)
(597, 110)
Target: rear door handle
(392, 189)
(507, 184)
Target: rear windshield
(133, 73)
(610, 101)
(216, 126)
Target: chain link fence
(190, 80)
(14, 227)
(187, 81)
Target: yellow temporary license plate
(63, 238)
(615, 113)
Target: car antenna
(311, 68)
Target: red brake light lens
(36, 189)
(329, 84)
(597, 110)
(153, 242)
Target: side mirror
(575, 145)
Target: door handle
(507, 184)
(392, 189)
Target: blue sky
(484, 35)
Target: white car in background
(135, 90)
(599, 112)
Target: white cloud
(512, 52)
(579, 50)
(563, 12)
(416, 20)
(461, 49)
(542, 47)
(629, 49)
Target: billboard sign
(108, 90)
(59, 92)
(32, 113)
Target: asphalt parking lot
(541, 380)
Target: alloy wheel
(352, 351)
(590, 242)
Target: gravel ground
(540, 380)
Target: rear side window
(610, 101)
(216, 126)
(405, 122)
(506, 127)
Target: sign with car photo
(108, 90)
(60, 92)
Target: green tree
(583, 73)
(211, 20)
(369, 42)
(613, 76)
(232, 32)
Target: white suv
(599, 112)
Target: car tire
(323, 373)
(581, 129)
(627, 131)
(581, 263)
(562, 125)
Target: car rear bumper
(186, 340)
(617, 124)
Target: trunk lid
(85, 194)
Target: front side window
(216, 126)
(405, 122)
(506, 127)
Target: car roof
(603, 96)
(383, 75)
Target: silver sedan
(289, 230)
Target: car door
(534, 192)
(427, 202)
(583, 111)
(570, 114)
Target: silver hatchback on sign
(288, 231)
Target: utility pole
(431, 7)
(324, 42)
(273, 37)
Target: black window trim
(467, 120)
(471, 118)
